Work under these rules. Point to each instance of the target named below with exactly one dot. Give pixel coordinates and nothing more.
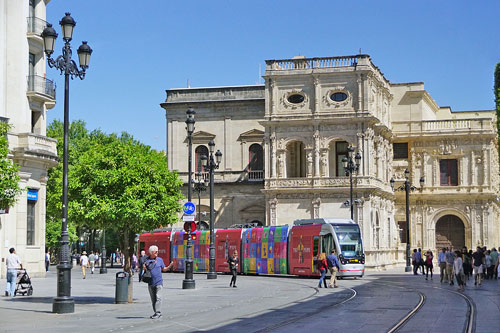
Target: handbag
(146, 277)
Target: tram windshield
(349, 238)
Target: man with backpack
(333, 267)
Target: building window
(340, 153)
(402, 231)
(199, 152)
(255, 157)
(400, 150)
(30, 228)
(338, 96)
(449, 172)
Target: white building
(283, 145)
(25, 96)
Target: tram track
(470, 321)
(307, 315)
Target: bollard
(121, 290)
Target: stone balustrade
(309, 63)
(453, 125)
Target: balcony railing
(443, 126)
(308, 63)
(36, 25)
(255, 175)
(41, 85)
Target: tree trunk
(127, 251)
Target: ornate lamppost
(199, 186)
(407, 187)
(189, 282)
(351, 166)
(211, 165)
(64, 303)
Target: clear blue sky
(142, 48)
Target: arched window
(255, 157)
(295, 160)
(199, 152)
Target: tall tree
(9, 179)
(123, 185)
(79, 140)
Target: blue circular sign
(189, 208)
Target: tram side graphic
(267, 250)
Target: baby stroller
(23, 283)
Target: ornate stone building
(283, 145)
(25, 97)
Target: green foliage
(9, 179)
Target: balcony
(443, 127)
(255, 175)
(35, 28)
(326, 183)
(29, 146)
(41, 90)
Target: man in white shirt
(92, 262)
(13, 264)
(84, 262)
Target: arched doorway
(450, 231)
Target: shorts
(478, 269)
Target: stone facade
(304, 118)
(25, 96)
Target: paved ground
(373, 304)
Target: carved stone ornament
(331, 103)
(294, 106)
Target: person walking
(478, 264)
(13, 265)
(84, 262)
(428, 264)
(333, 267)
(414, 261)
(421, 262)
(156, 266)
(494, 260)
(92, 262)
(458, 270)
(442, 265)
(233, 266)
(466, 264)
(134, 262)
(142, 261)
(450, 259)
(47, 260)
(322, 267)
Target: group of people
(88, 262)
(459, 265)
(328, 263)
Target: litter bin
(121, 290)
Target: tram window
(327, 243)
(316, 246)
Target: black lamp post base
(63, 305)
(188, 284)
(408, 269)
(211, 275)
(103, 270)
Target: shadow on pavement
(78, 300)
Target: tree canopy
(9, 179)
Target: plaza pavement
(371, 304)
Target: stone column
(324, 167)
(473, 171)
(485, 167)
(315, 205)
(316, 153)
(309, 163)
(272, 152)
(267, 154)
(317, 96)
(272, 211)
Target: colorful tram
(266, 250)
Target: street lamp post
(351, 166)
(199, 186)
(64, 303)
(189, 282)
(211, 165)
(407, 187)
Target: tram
(273, 250)
(348, 244)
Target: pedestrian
(155, 265)
(478, 264)
(47, 259)
(428, 263)
(233, 266)
(442, 265)
(84, 262)
(333, 267)
(96, 259)
(450, 259)
(13, 265)
(490, 266)
(466, 263)
(414, 261)
(494, 259)
(142, 261)
(322, 266)
(134, 262)
(458, 270)
(92, 262)
(497, 266)
(421, 262)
